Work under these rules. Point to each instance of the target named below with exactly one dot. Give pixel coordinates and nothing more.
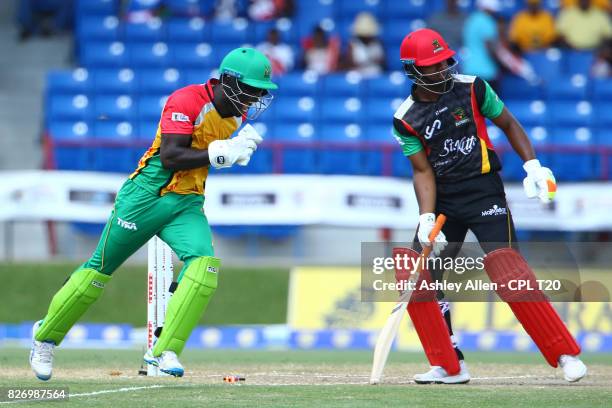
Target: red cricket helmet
(424, 47)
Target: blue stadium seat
(190, 7)
(406, 9)
(603, 138)
(195, 55)
(312, 12)
(342, 158)
(198, 76)
(294, 109)
(602, 90)
(298, 84)
(342, 85)
(98, 28)
(191, 30)
(528, 113)
(77, 81)
(396, 28)
(151, 106)
(547, 64)
(152, 31)
(568, 88)
(513, 87)
(68, 107)
(376, 158)
(115, 81)
(147, 129)
(570, 114)
(512, 164)
(380, 110)
(603, 115)
(115, 107)
(236, 32)
(71, 157)
(148, 55)
(394, 84)
(286, 28)
(160, 81)
(104, 54)
(572, 165)
(577, 62)
(300, 159)
(350, 8)
(121, 159)
(96, 7)
(344, 110)
(392, 56)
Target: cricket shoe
(573, 368)
(167, 363)
(41, 356)
(438, 375)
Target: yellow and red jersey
(188, 111)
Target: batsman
(441, 129)
(165, 197)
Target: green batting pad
(70, 302)
(188, 304)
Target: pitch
(103, 378)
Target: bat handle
(440, 220)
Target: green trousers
(138, 215)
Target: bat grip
(440, 220)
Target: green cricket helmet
(245, 79)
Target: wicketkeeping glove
(237, 150)
(540, 181)
(426, 224)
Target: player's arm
(424, 182)
(540, 182)
(176, 153)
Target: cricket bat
(389, 331)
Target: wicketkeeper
(165, 197)
(441, 128)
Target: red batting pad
(534, 312)
(433, 333)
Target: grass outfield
(98, 378)
(27, 289)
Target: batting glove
(426, 224)
(237, 150)
(540, 181)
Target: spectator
(279, 54)
(533, 28)
(226, 10)
(43, 17)
(449, 23)
(142, 11)
(602, 4)
(480, 36)
(584, 27)
(366, 53)
(602, 67)
(262, 10)
(321, 52)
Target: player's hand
(248, 132)
(540, 181)
(237, 150)
(426, 224)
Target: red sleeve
(180, 113)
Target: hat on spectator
(491, 5)
(365, 25)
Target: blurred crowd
(489, 45)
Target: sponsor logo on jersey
(465, 145)
(127, 225)
(429, 130)
(494, 211)
(441, 110)
(460, 116)
(97, 284)
(179, 117)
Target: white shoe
(573, 368)
(41, 356)
(438, 375)
(168, 362)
